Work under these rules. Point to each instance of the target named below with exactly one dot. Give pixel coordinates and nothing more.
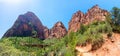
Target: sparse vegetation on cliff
(92, 33)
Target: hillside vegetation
(17, 46)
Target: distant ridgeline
(29, 25)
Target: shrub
(92, 34)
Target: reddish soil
(111, 47)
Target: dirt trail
(109, 48)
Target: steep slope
(27, 24)
(95, 13)
(111, 47)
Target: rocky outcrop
(96, 13)
(58, 30)
(77, 19)
(93, 14)
(46, 32)
(26, 25)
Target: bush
(92, 34)
(8, 49)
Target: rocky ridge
(29, 24)
(58, 31)
(95, 13)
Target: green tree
(115, 14)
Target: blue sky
(48, 11)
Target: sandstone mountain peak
(27, 24)
(78, 14)
(58, 30)
(95, 7)
(95, 13)
(29, 12)
(58, 24)
(75, 22)
(30, 16)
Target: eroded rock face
(77, 19)
(95, 13)
(46, 32)
(26, 25)
(58, 30)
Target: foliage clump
(92, 34)
(114, 19)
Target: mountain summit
(27, 24)
(58, 30)
(93, 14)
